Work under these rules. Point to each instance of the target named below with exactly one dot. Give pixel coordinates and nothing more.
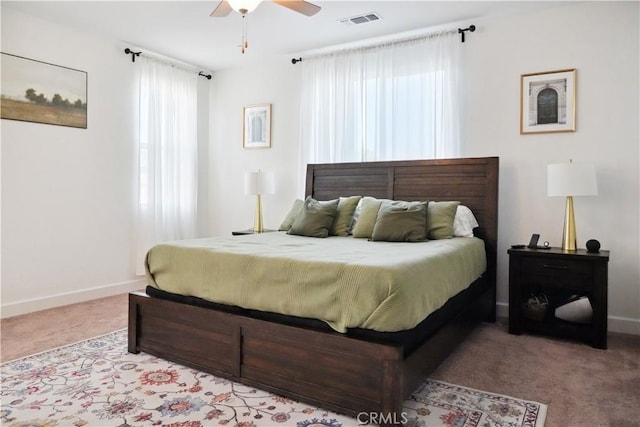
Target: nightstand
(559, 274)
(249, 231)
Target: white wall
(599, 39)
(276, 82)
(67, 198)
(68, 194)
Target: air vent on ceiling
(360, 19)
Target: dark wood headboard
(472, 181)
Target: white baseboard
(622, 325)
(502, 309)
(58, 300)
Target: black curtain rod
(470, 28)
(132, 53)
(461, 31)
(133, 59)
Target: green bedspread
(344, 281)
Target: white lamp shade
(259, 183)
(248, 5)
(571, 179)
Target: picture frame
(256, 126)
(548, 102)
(40, 92)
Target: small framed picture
(256, 121)
(548, 102)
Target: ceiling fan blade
(299, 6)
(223, 9)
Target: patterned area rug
(98, 383)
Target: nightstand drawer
(558, 272)
(554, 266)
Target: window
(390, 102)
(167, 153)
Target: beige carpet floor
(581, 385)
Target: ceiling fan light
(246, 5)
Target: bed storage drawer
(274, 358)
(191, 336)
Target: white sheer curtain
(389, 102)
(167, 150)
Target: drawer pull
(556, 267)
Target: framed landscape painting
(35, 91)
(548, 102)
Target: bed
(352, 372)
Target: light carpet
(98, 383)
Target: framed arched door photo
(548, 102)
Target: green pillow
(401, 222)
(315, 218)
(440, 216)
(291, 216)
(342, 222)
(367, 217)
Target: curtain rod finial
(470, 28)
(132, 53)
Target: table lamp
(571, 179)
(257, 184)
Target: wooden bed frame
(328, 369)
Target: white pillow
(356, 215)
(364, 217)
(464, 222)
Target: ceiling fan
(245, 6)
(225, 7)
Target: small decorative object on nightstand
(561, 277)
(593, 246)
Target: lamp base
(257, 223)
(569, 232)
